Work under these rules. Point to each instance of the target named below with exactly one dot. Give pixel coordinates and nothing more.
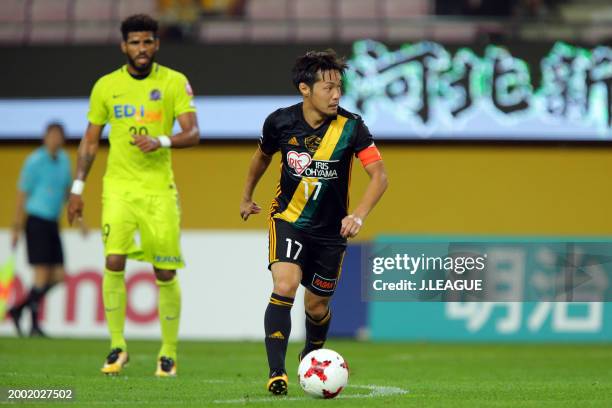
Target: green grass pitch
(230, 374)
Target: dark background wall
(242, 69)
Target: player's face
(54, 139)
(326, 92)
(140, 48)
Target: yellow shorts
(157, 220)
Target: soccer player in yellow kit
(140, 101)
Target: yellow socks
(169, 315)
(114, 296)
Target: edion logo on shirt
(298, 161)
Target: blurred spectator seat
(130, 7)
(50, 10)
(313, 9)
(94, 10)
(11, 33)
(45, 33)
(314, 20)
(359, 9)
(278, 32)
(223, 31)
(400, 31)
(359, 19)
(12, 10)
(454, 32)
(394, 9)
(315, 31)
(96, 33)
(268, 9)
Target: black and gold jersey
(316, 164)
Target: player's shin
(316, 332)
(36, 297)
(277, 324)
(114, 297)
(169, 315)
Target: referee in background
(43, 188)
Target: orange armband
(369, 155)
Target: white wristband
(77, 187)
(164, 141)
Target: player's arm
(86, 156)
(257, 168)
(25, 185)
(189, 136)
(351, 224)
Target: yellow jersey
(134, 106)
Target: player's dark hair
(138, 22)
(57, 126)
(307, 66)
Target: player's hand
(83, 228)
(146, 144)
(75, 208)
(248, 207)
(351, 224)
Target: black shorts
(319, 258)
(43, 242)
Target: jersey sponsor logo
(298, 161)
(140, 114)
(155, 95)
(304, 166)
(293, 141)
(323, 284)
(312, 143)
(188, 89)
(117, 96)
(321, 169)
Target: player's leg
(277, 322)
(160, 236)
(40, 255)
(46, 276)
(114, 297)
(169, 318)
(58, 274)
(42, 284)
(118, 229)
(320, 280)
(318, 320)
(32, 300)
(286, 252)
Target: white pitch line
(375, 391)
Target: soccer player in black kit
(309, 219)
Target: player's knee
(115, 263)
(286, 288)
(317, 308)
(164, 275)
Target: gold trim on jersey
(326, 149)
(272, 255)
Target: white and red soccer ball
(323, 373)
